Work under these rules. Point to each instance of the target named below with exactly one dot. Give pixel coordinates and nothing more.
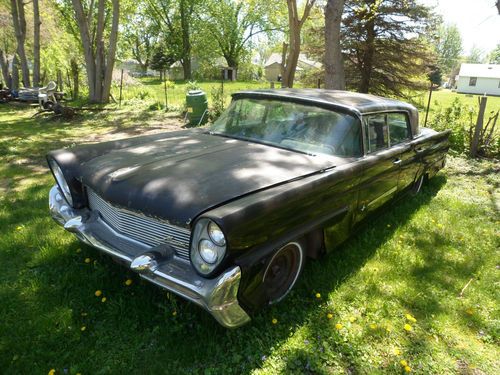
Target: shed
(272, 66)
(479, 79)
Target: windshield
(303, 128)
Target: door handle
(397, 161)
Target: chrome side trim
(219, 296)
(388, 192)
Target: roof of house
(480, 70)
(275, 58)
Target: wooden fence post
(479, 126)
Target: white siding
(490, 86)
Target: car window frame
(366, 142)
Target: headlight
(61, 181)
(216, 234)
(208, 246)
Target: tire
(417, 185)
(48, 105)
(283, 270)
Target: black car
(225, 216)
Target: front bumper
(218, 296)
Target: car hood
(177, 177)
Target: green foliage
(458, 118)
(218, 101)
(494, 56)
(448, 47)
(192, 85)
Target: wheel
(283, 270)
(417, 185)
(48, 105)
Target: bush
(459, 119)
(217, 96)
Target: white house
(479, 79)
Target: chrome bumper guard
(218, 296)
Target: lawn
(390, 297)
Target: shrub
(217, 96)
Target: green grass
(444, 98)
(416, 260)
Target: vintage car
(225, 216)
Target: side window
(250, 112)
(399, 129)
(472, 81)
(378, 137)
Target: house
(272, 66)
(479, 79)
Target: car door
(379, 181)
(400, 136)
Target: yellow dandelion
(52, 371)
(440, 225)
(19, 228)
(87, 260)
(352, 319)
(274, 321)
(83, 328)
(329, 316)
(98, 293)
(396, 351)
(318, 295)
(408, 328)
(373, 326)
(403, 363)
(407, 369)
(339, 326)
(411, 318)
(128, 282)
(174, 313)
(469, 311)
(103, 299)
(388, 329)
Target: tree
(233, 24)
(494, 56)
(176, 19)
(36, 43)
(291, 50)
(140, 35)
(386, 46)
(19, 23)
(334, 63)
(448, 47)
(476, 55)
(99, 65)
(162, 59)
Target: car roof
(361, 103)
(347, 100)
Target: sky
(477, 20)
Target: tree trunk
(334, 64)
(15, 73)
(19, 22)
(74, 74)
(295, 26)
(99, 65)
(479, 127)
(110, 58)
(367, 59)
(186, 41)
(4, 64)
(87, 44)
(36, 44)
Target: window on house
(472, 81)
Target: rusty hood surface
(176, 177)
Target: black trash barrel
(197, 106)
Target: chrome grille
(141, 228)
